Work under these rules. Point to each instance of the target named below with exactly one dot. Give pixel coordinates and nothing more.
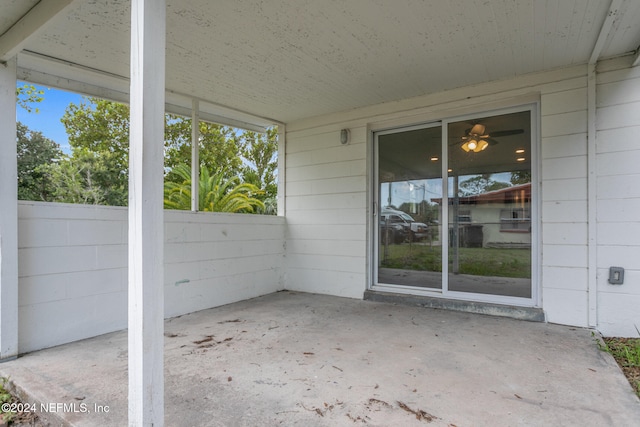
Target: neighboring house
(374, 102)
(499, 218)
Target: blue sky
(51, 109)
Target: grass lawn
(626, 351)
(499, 262)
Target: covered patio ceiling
(263, 62)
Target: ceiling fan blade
(500, 133)
(491, 141)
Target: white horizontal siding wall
(328, 199)
(326, 211)
(563, 125)
(618, 195)
(73, 267)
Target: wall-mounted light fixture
(345, 136)
(616, 275)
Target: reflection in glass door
(476, 225)
(409, 188)
(489, 201)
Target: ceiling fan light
(465, 147)
(473, 144)
(482, 145)
(477, 129)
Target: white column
(282, 164)
(592, 200)
(195, 155)
(8, 214)
(146, 163)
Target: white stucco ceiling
(292, 59)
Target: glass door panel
(489, 205)
(409, 198)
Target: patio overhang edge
(41, 69)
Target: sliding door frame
(536, 203)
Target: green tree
(35, 153)
(259, 152)
(102, 127)
(98, 133)
(216, 192)
(218, 146)
(28, 94)
(520, 177)
(480, 184)
(88, 178)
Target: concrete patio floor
(311, 360)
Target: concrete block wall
(73, 267)
(618, 195)
(216, 259)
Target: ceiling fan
(477, 139)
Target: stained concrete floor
(297, 359)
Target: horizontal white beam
(612, 16)
(212, 112)
(15, 38)
(213, 118)
(636, 61)
(52, 72)
(40, 69)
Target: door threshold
(532, 314)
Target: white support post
(195, 155)
(8, 214)
(592, 199)
(282, 164)
(146, 228)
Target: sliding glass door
(475, 226)
(489, 218)
(408, 227)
